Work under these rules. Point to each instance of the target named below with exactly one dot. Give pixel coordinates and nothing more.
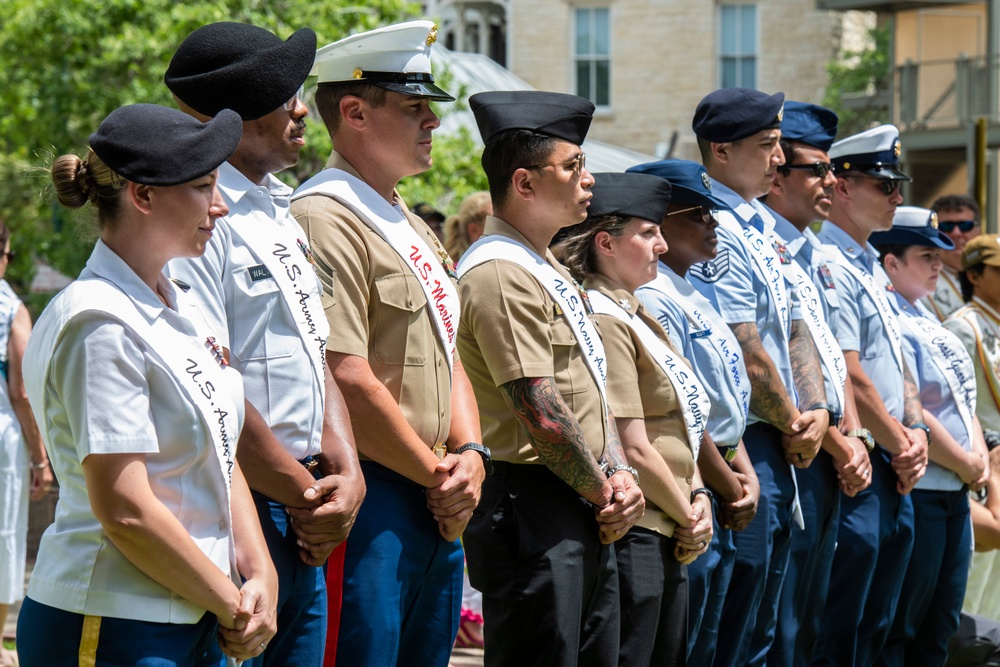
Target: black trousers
(550, 588)
(654, 600)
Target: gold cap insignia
(847, 165)
(432, 36)
(706, 181)
(358, 74)
(934, 220)
(781, 112)
(897, 148)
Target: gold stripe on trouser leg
(88, 640)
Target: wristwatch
(702, 491)
(483, 451)
(925, 428)
(623, 467)
(864, 435)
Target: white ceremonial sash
(765, 260)
(289, 264)
(691, 394)
(722, 339)
(988, 354)
(389, 223)
(950, 356)
(812, 310)
(885, 311)
(562, 291)
(190, 361)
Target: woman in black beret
(660, 409)
(156, 556)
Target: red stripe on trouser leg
(334, 595)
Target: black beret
(630, 195)
(555, 114)
(731, 114)
(810, 124)
(240, 67)
(155, 145)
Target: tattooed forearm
(614, 453)
(556, 435)
(806, 367)
(769, 399)
(913, 409)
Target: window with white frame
(592, 54)
(738, 45)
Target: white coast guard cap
(396, 57)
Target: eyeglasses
(948, 226)
(291, 104)
(886, 186)
(9, 255)
(818, 169)
(706, 212)
(577, 164)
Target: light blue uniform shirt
(859, 327)
(734, 286)
(935, 392)
(700, 333)
(808, 252)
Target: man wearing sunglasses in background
(958, 218)
(801, 195)
(875, 536)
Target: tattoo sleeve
(769, 398)
(614, 453)
(913, 409)
(556, 435)
(806, 367)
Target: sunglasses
(818, 169)
(9, 255)
(965, 226)
(577, 164)
(705, 212)
(886, 186)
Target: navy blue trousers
(708, 581)
(750, 610)
(930, 603)
(804, 593)
(402, 580)
(50, 637)
(874, 541)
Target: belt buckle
(730, 453)
(310, 463)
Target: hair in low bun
(79, 181)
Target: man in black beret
(738, 134)
(258, 288)
(801, 195)
(391, 300)
(562, 486)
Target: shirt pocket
(572, 373)
(402, 332)
(871, 325)
(257, 316)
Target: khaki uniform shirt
(512, 329)
(639, 389)
(377, 309)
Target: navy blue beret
(912, 225)
(689, 180)
(810, 124)
(155, 145)
(731, 114)
(629, 195)
(558, 115)
(240, 67)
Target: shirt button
(222, 525)
(687, 479)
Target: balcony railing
(943, 94)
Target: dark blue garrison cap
(558, 115)
(688, 180)
(809, 124)
(240, 67)
(731, 114)
(154, 145)
(630, 195)
(913, 226)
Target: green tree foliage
(64, 65)
(859, 82)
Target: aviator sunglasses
(965, 226)
(818, 169)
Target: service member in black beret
(257, 285)
(738, 135)
(537, 365)
(655, 398)
(138, 566)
